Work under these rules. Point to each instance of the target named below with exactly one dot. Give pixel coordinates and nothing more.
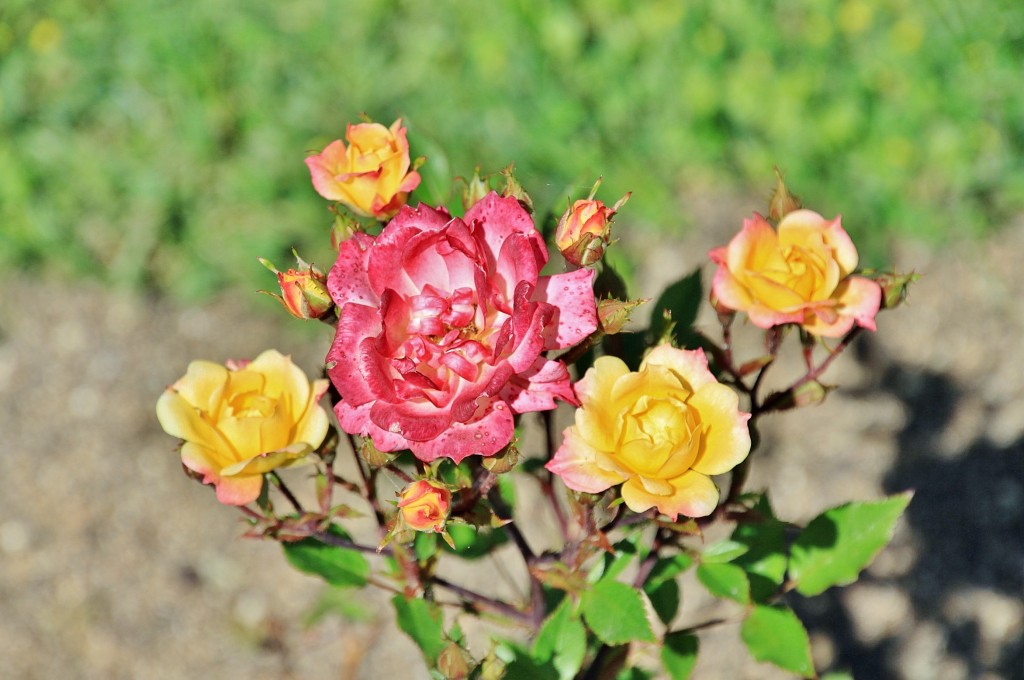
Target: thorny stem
(368, 483)
(773, 400)
(536, 609)
(574, 353)
(279, 483)
(496, 606)
(547, 483)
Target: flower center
(661, 437)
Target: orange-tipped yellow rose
(801, 274)
(243, 420)
(371, 174)
(424, 506)
(661, 432)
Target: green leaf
(667, 568)
(615, 612)
(765, 560)
(661, 587)
(682, 299)
(774, 634)
(725, 580)
(665, 599)
(425, 545)
(421, 620)
(625, 551)
(562, 640)
(679, 655)
(473, 542)
(723, 551)
(840, 542)
(336, 565)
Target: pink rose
(443, 326)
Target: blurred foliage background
(159, 144)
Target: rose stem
(547, 483)
(371, 490)
(279, 483)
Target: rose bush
(442, 327)
(801, 274)
(371, 174)
(660, 432)
(424, 506)
(242, 420)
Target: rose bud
(303, 291)
(584, 230)
(782, 202)
(424, 506)
(613, 315)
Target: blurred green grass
(159, 145)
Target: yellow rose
(242, 420)
(424, 506)
(802, 274)
(660, 432)
(371, 175)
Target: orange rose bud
(424, 506)
(303, 290)
(585, 228)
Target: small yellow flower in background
(661, 432)
(370, 175)
(802, 274)
(424, 506)
(242, 420)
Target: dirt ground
(114, 565)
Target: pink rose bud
(303, 291)
(585, 229)
(424, 506)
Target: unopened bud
(781, 202)
(303, 290)
(454, 662)
(613, 315)
(503, 461)
(514, 189)
(895, 288)
(476, 189)
(373, 456)
(424, 505)
(345, 227)
(584, 230)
